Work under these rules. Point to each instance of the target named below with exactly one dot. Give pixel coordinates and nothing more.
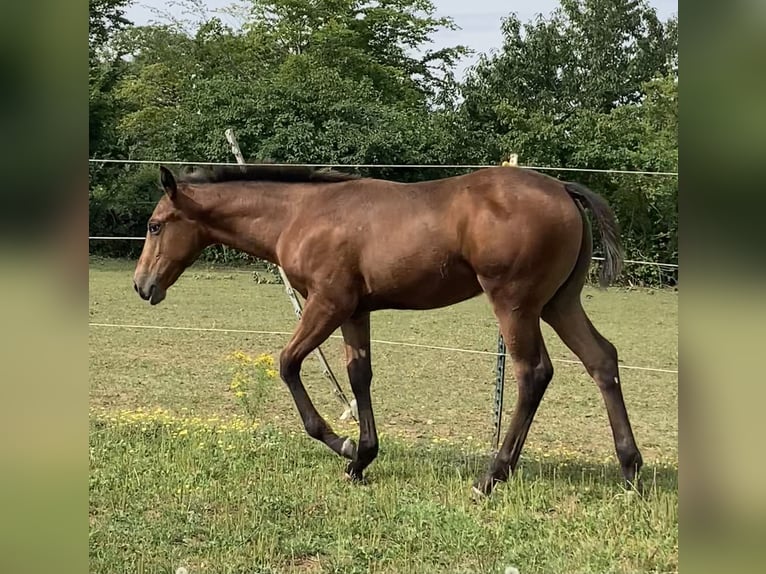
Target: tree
(302, 80)
(589, 54)
(106, 19)
(367, 39)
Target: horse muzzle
(153, 293)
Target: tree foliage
(354, 81)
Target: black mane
(262, 172)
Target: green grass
(272, 500)
(268, 501)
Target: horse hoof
(354, 475)
(631, 472)
(353, 478)
(348, 449)
(478, 494)
(483, 487)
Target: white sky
(479, 20)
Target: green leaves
(105, 17)
(303, 80)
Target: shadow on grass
(408, 462)
(411, 461)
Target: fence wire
(378, 341)
(382, 165)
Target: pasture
(180, 476)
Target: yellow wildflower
(265, 361)
(240, 356)
(271, 373)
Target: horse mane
(262, 172)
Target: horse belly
(430, 289)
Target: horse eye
(154, 228)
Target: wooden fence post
(513, 160)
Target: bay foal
(351, 246)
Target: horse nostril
(140, 292)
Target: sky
(478, 20)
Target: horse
(351, 245)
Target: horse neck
(247, 216)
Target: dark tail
(607, 224)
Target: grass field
(195, 484)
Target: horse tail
(608, 227)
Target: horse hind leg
(533, 369)
(356, 338)
(567, 317)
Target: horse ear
(168, 182)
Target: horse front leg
(321, 316)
